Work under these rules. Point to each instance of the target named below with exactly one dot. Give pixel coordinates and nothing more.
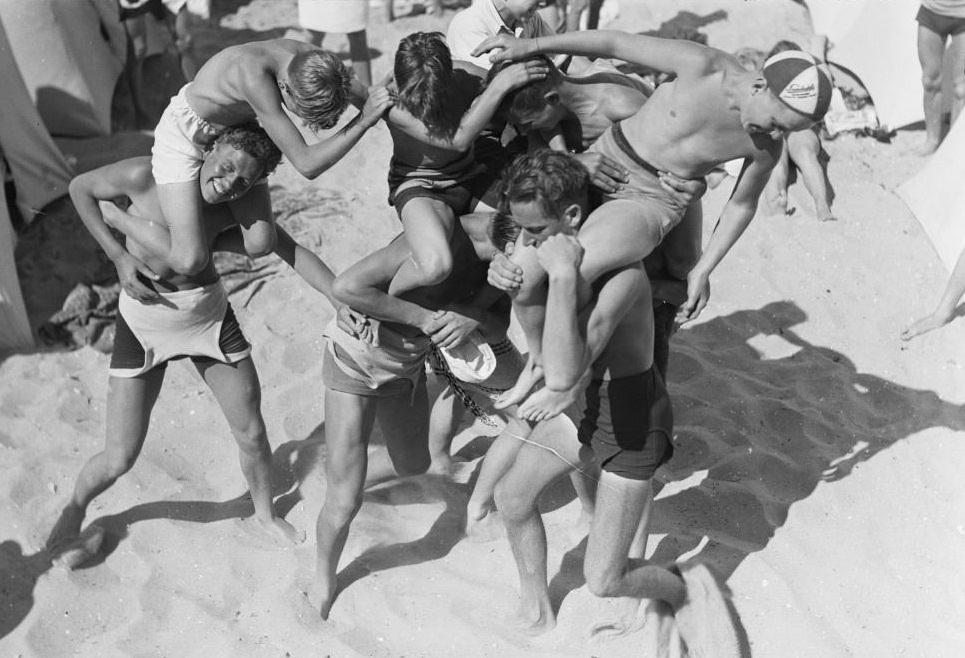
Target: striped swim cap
(800, 82)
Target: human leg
(931, 49)
(776, 190)
(544, 456)
(236, 388)
(499, 458)
(358, 49)
(428, 223)
(945, 310)
(956, 54)
(444, 418)
(129, 404)
(805, 150)
(404, 421)
(348, 424)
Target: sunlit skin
(538, 225)
(227, 174)
(764, 114)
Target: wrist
(563, 274)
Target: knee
(434, 268)
(511, 505)
(602, 582)
(931, 81)
(341, 505)
(958, 89)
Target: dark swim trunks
(628, 422)
(943, 26)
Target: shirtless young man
(254, 81)
(624, 416)
(381, 377)
(712, 112)
(186, 316)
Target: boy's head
(316, 89)
(238, 158)
(791, 93)
(535, 106)
(543, 193)
(424, 77)
(520, 9)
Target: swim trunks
(461, 184)
(180, 140)
(197, 322)
(628, 422)
(664, 317)
(644, 184)
(943, 25)
(358, 368)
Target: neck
(505, 14)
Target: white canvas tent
(937, 197)
(877, 41)
(52, 53)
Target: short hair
(502, 230)
(781, 46)
(318, 84)
(252, 139)
(751, 59)
(553, 179)
(425, 81)
(530, 97)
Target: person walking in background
(938, 22)
(348, 17)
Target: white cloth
(179, 141)
(481, 20)
(184, 323)
(339, 16)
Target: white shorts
(180, 140)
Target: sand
(816, 465)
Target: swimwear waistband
(621, 140)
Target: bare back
(223, 89)
(600, 100)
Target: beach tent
(70, 54)
(59, 63)
(937, 197)
(877, 40)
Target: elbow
(307, 169)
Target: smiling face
(227, 173)
(764, 114)
(537, 224)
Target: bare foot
(324, 593)
(81, 549)
(67, 528)
(924, 325)
(276, 530)
(441, 465)
(533, 620)
(530, 376)
(924, 149)
(704, 619)
(827, 217)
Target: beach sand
(816, 466)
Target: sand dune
(817, 462)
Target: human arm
(945, 310)
(487, 312)
(668, 55)
(310, 160)
(479, 113)
(363, 287)
(572, 339)
(109, 182)
(734, 219)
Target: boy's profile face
(227, 173)
(546, 118)
(522, 8)
(536, 223)
(764, 114)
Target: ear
(552, 97)
(759, 85)
(573, 215)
